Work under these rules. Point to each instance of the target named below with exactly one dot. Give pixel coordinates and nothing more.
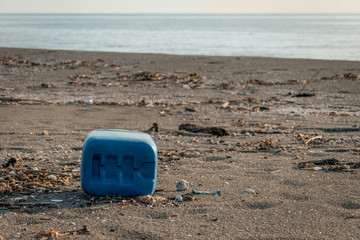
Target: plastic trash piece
(178, 198)
(249, 190)
(148, 199)
(216, 192)
(118, 162)
(317, 168)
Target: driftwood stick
(342, 129)
(312, 139)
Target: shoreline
(168, 54)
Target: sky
(179, 6)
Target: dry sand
(49, 100)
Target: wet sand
(275, 112)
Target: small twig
(312, 139)
(11, 204)
(351, 217)
(311, 79)
(48, 172)
(191, 134)
(263, 132)
(34, 184)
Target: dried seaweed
(15, 177)
(192, 80)
(217, 131)
(347, 76)
(52, 233)
(330, 164)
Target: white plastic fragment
(19, 198)
(148, 199)
(216, 192)
(249, 190)
(178, 198)
(317, 168)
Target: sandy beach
(288, 165)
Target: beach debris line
(195, 128)
(15, 62)
(49, 234)
(348, 76)
(16, 203)
(11, 100)
(243, 104)
(235, 106)
(190, 196)
(269, 83)
(127, 201)
(330, 164)
(192, 80)
(78, 80)
(171, 155)
(19, 178)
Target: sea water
(317, 36)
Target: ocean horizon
(314, 36)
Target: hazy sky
(179, 6)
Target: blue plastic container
(118, 162)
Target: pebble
(182, 185)
(52, 177)
(45, 133)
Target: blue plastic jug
(118, 162)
